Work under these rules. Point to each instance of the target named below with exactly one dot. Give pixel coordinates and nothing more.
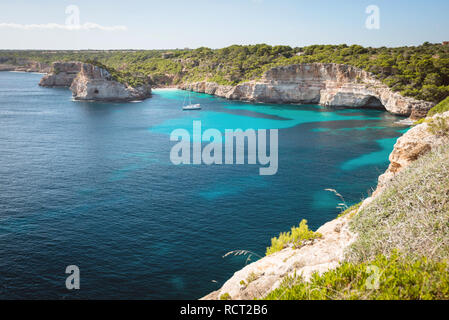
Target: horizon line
(217, 48)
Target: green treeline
(421, 72)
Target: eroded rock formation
(90, 82)
(95, 83)
(62, 74)
(317, 83)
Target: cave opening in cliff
(96, 91)
(373, 103)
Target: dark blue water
(91, 184)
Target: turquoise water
(91, 184)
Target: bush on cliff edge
(297, 237)
(443, 106)
(393, 278)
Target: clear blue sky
(150, 24)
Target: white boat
(190, 106)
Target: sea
(92, 185)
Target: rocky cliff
(317, 83)
(327, 252)
(90, 82)
(61, 75)
(97, 84)
(418, 141)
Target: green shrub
(421, 71)
(296, 237)
(443, 106)
(381, 279)
(225, 296)
(417, 122)
(120, 76)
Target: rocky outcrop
(7, 67)
(415, 143)
(267, 273)
(96, 84)
(317, 83)
(62, 74)
(90, 82)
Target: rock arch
(373, 102)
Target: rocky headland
(97, 84)
(61, 75)
(89, 82)
(329, 84)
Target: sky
(170, 24)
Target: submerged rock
(96, 84)
(328, 84)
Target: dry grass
(439, 126)
(248, 254)
(411, 215)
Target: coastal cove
(91, 184)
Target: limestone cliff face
(62, 74)
(96, 84)
(317, 83)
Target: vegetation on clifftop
(297, 237)
(120, 76)
(443, 106)
(421, 72)
(392, 278)
(402, 247)
(411, 215)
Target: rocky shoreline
(28, 66)
(86, 81)
(333, 85)
(327, 84)
(92, 83)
